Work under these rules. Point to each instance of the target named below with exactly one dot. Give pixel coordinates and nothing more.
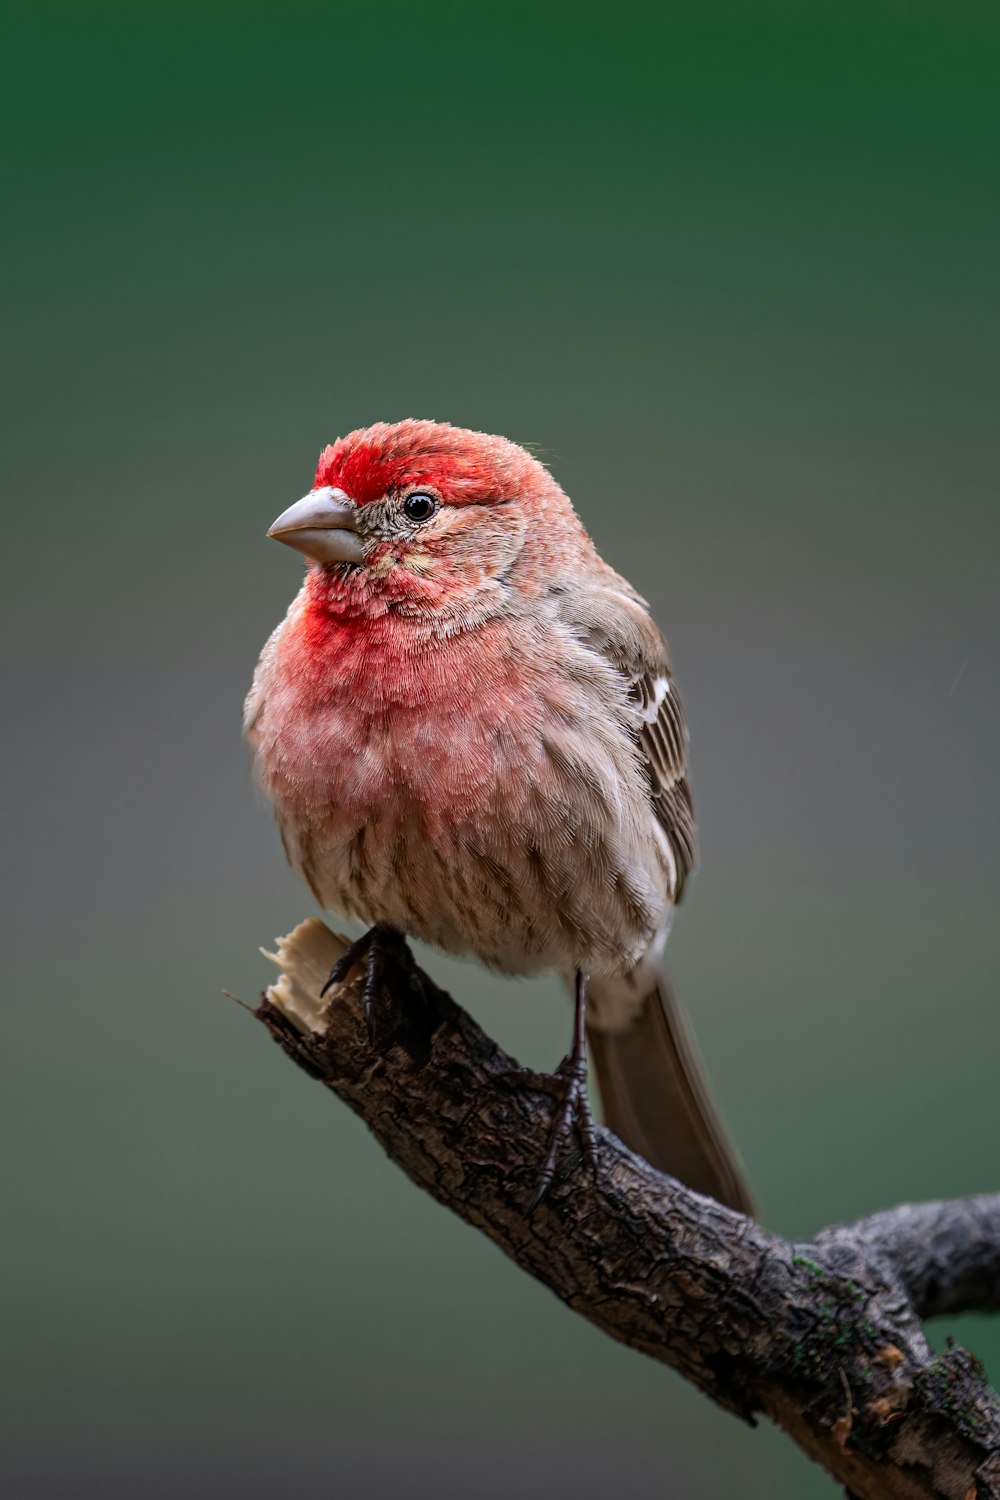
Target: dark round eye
(419, 507)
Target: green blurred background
(735, 269)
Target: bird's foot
(568, 1084)
(389, 969)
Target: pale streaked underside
(556, 836)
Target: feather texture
(473, 735)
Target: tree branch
(823, 1338)
(946, 1255)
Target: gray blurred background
(734, 269)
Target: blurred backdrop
(734, 269)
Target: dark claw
(572, 1116)
(345, 963)
(568, 1084)
(379, 947)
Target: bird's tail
(654, 1089)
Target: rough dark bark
(824, 1338)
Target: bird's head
(424, 518)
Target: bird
(468, 728)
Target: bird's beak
(323, 525)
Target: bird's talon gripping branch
(568, 1084)
(572, 1117)
(345, 963)
(380, 948)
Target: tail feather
(656, 1096)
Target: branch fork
(824, 1338)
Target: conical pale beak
(323, 525)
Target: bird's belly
(437, 890)
(469, 830)
(426, 833)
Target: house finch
(469, 732)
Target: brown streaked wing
(663, 740)
(614, 621)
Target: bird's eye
(419, 506)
